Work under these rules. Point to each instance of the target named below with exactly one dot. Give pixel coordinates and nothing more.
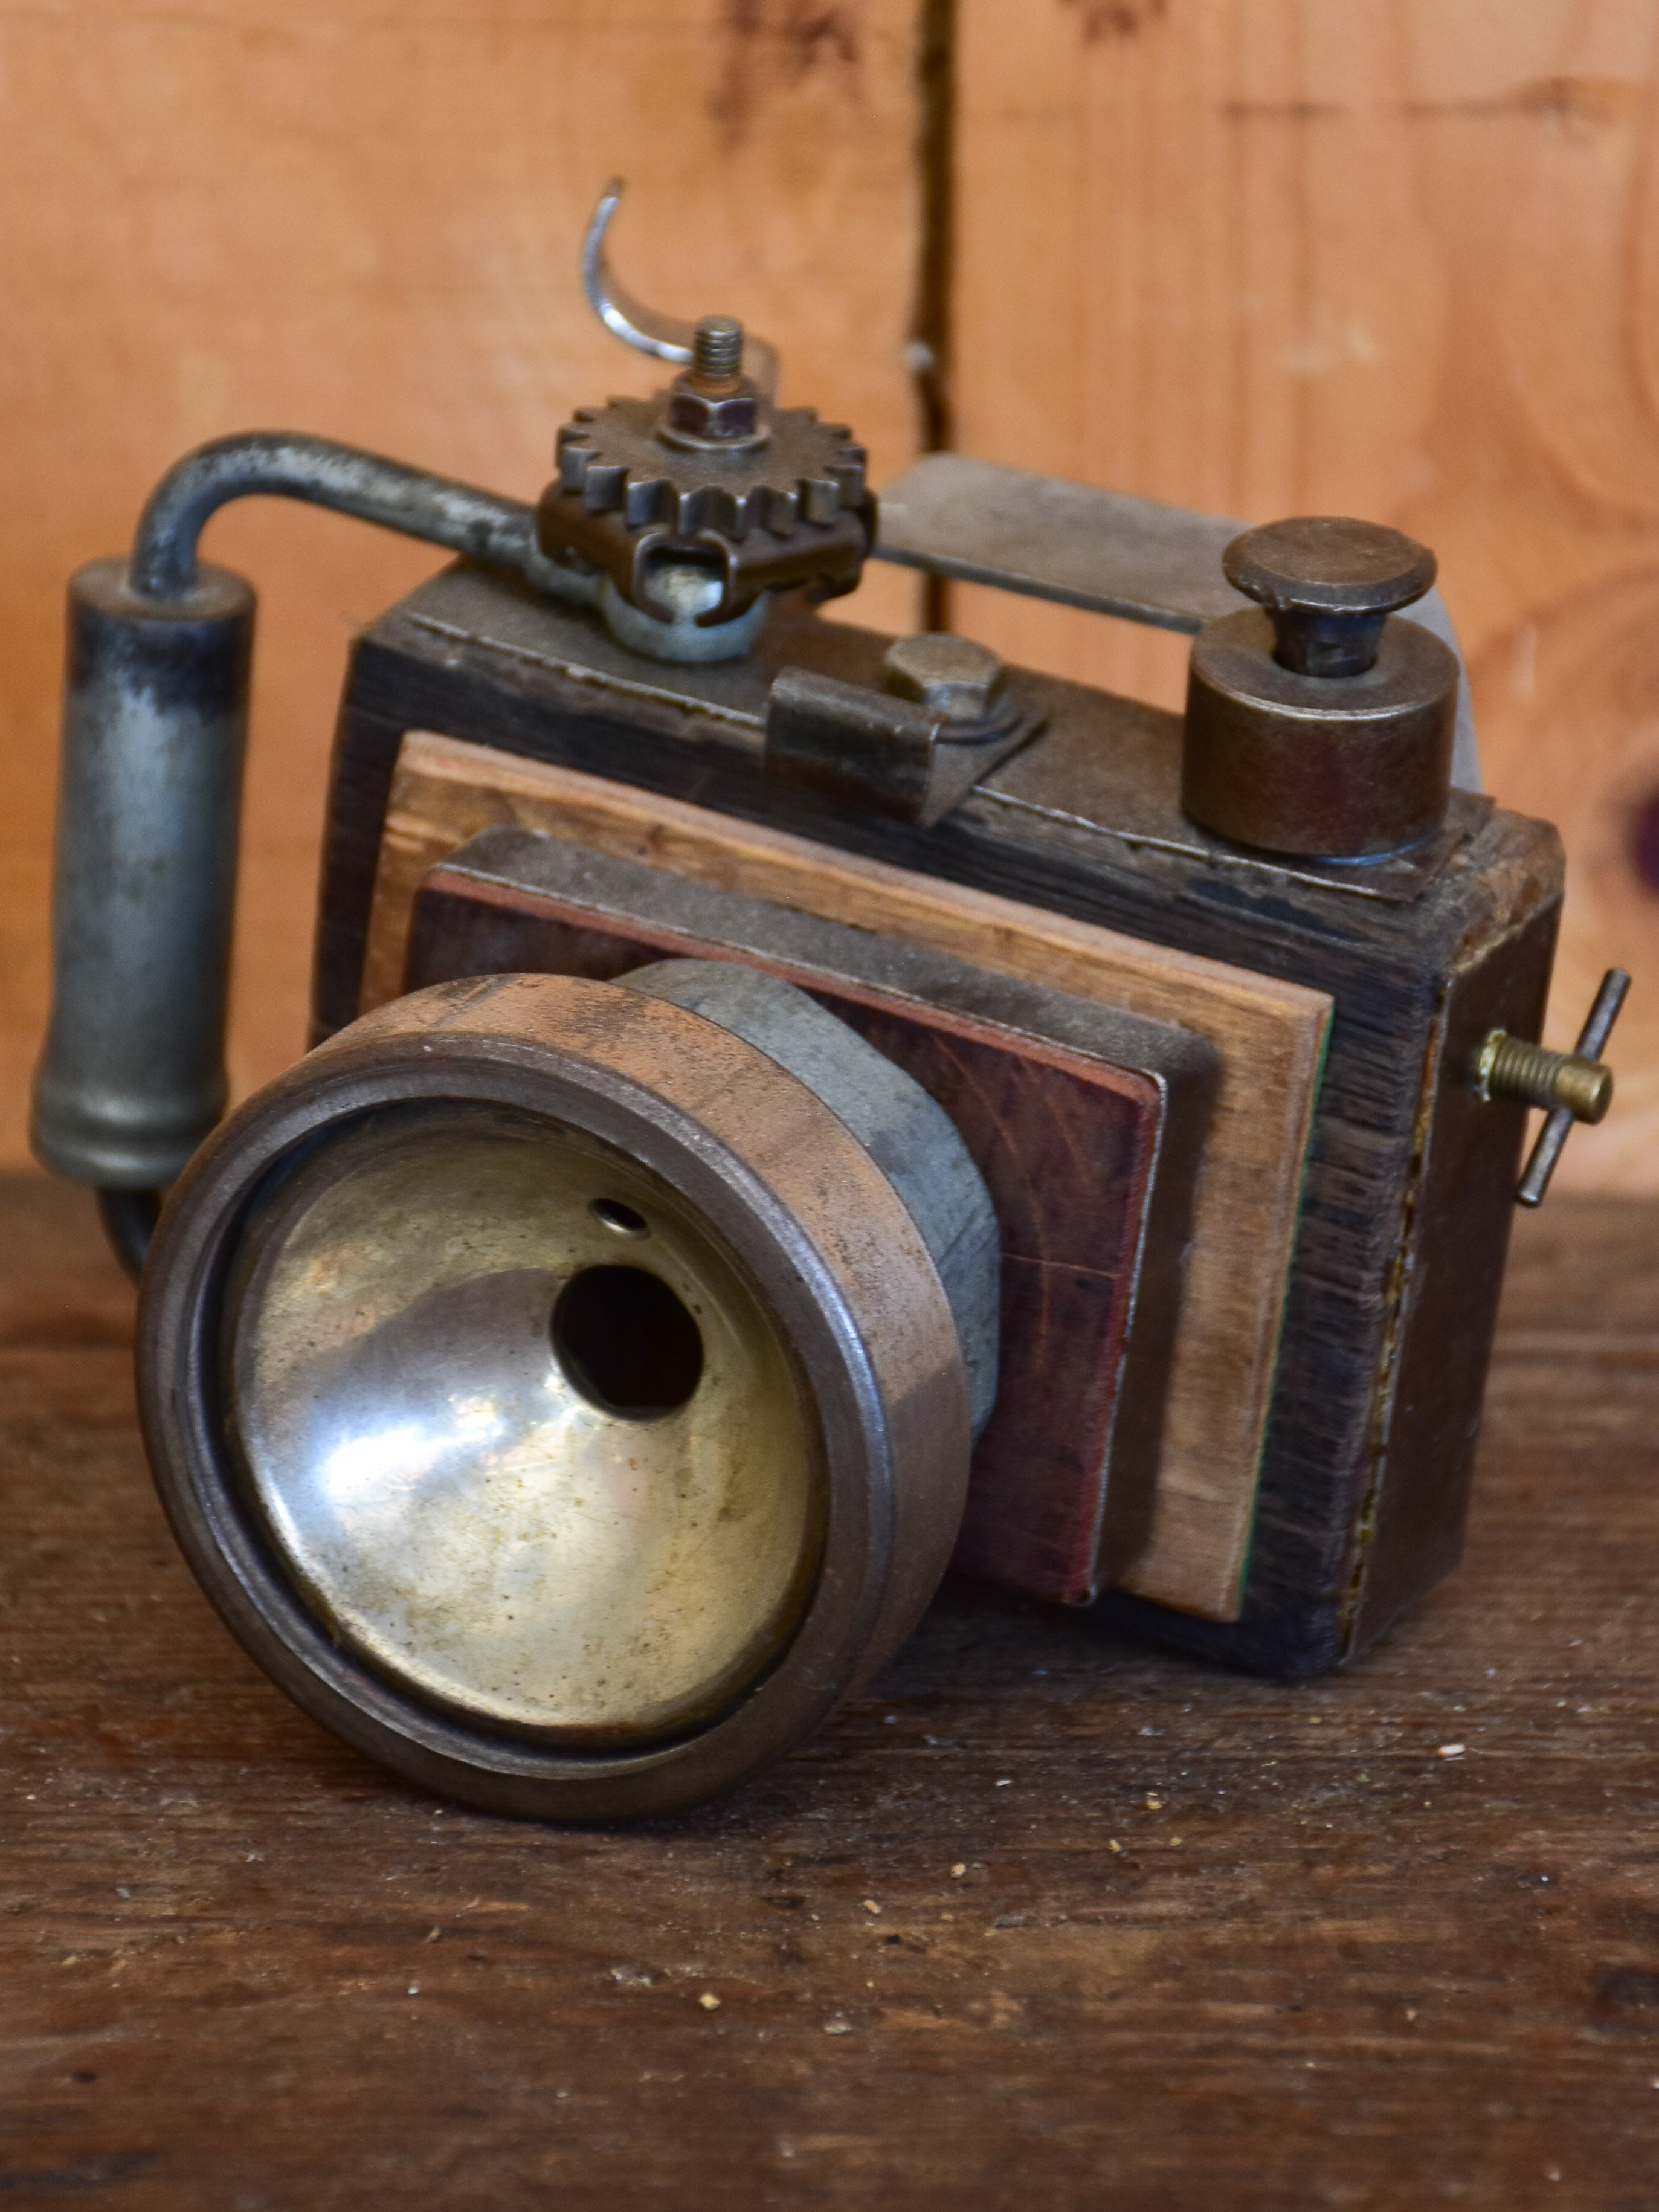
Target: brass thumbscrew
(1569, 1086)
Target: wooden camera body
(792, 1109)
(1253, 1235)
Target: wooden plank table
(1048, 1919)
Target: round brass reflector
(560, 1476)
(552, 1392)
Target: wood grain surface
(1069, 1145)
(1270, 1036)
(361, 218)
(1380, 258)
(1257, 255)
(1045, 1919)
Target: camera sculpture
(792, 1109)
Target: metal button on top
(1319, 726)
(1330, 561)
(1329, 583)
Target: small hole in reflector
(627, 1342)
(623, 1218)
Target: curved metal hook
(665, 338)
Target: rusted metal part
(1323, 767)
(894, 755)
(784, 504)
(696, 503)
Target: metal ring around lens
(781, 1184)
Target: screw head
(1328, 564)
(953, 676)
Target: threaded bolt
(1510, 1067)
(717, 349)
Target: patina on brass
(1569, 1086)
(459, 1382)
(554, 1394)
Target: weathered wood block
(1268, 1038)
(1087, 1125)
(1364, 1238)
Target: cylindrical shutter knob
(1319, 728)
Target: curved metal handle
(132, 1075)
(664, 337)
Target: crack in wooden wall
(1393, 257)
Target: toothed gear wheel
(790, 507)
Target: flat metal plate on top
(1106, 552)
(1050, 539)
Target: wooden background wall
(1398, 257)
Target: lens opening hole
(627, 1342)
(623, 1218)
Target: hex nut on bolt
(720, 419)
(953, 676)
(712, 403)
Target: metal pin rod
(1558, 1127)
(1602, 1015)
(286, 464)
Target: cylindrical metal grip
(154, 720)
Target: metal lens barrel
(564, 1395)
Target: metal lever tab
(1105, 551)
(1051, 540)
(665, 338)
